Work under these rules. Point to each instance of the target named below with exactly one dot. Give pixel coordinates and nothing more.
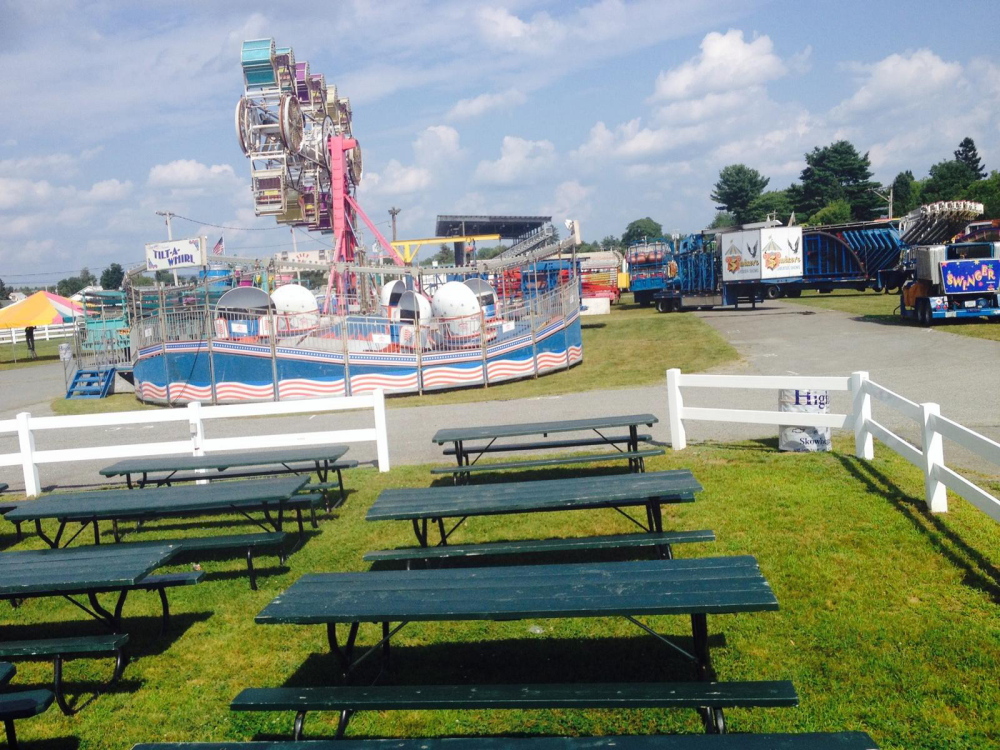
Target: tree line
(836, 187)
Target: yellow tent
(40, 309)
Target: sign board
(740, 255)
(781, 252)
(970, 276)
(315, 257)
(166, 256)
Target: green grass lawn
(882, 308)
(888, 620)
(631, 347)
(47, 351)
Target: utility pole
(886, 198)
(170, 234)
(393, 212)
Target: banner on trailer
(740, 256)
(967, 276)
(165, 256)
(317, 257)
(781, 252)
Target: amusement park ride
(383, 323)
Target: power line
(235, 229)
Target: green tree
(948, 181)
(112, 277)
(610, 242)
(987, 192)
(164, 276)
(722, 219)
(905, 193)
(836, 172)
(737, 188)
(5, 290)
(445, 256)
(70, 286)
(968, 155)
(640, 230)
(774, 202)
(142, 280)
(837, 212)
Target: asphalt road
(777, 339)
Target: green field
(631, 347)
(47, 351)
(888, 619)
(882, 308)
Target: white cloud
(570, 201)
(725, 63)
(520, 161)
(907, 79)
(187, 173)
(107, 191)
(503, 30)
(437, 144)
(630, 141)
(467, 108)
(16, 191)
(396, 179)
(727, 104)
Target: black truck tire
(924, 312)
(772, 291)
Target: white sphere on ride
(389, 295)
(412, 306)
(293, 298)
(456, 306)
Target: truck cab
(959, 280)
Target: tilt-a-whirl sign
(165, 256)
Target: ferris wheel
(305, 163)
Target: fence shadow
(977, 571)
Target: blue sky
(603, 111)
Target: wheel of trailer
(772, 291)
(663, 306)
(794, 293)
(924, 311)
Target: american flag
(220, 247)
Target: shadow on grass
(978, 572)
(534, 660)
(589, 326)
(54, 743)
(532, 475)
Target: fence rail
(29, 458)
(929, 458)
(42, 333)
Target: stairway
(92, 383)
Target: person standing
(29, 337)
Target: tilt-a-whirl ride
(243, 331)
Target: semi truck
(949, 274)
(764, 261)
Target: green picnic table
(267, 495)
(467, 455)
(434, 504)
(807, 741)
(323, 459)
(79, 571)
(633, 589)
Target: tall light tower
(393, 212)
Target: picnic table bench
(348, 700)
(19, 705)
(695, 587)
(467, 455)
(806, 741)
(425, 505)
(322, 459)
(84, 571)
(270, 496)
(6, 508)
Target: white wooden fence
(58, 331)
(196, 415)
(938, 478)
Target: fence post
(26, 442)
(197, 428)
(861, 411)
(934, 490)
(675, 405)
(381, 433)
